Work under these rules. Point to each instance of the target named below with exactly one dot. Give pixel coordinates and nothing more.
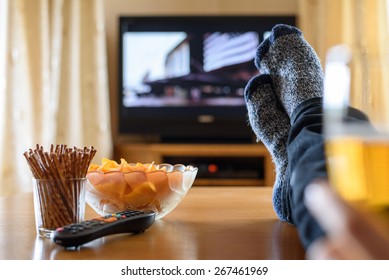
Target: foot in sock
(293, 66)
(271, 125)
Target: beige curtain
(53, 82)
(363, 26)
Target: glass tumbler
(58, 203)
(357, 150)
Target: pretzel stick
(60, 200)
(65, 192)
(62, 194)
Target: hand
(350, 232)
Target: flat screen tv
(182, 78)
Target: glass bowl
(160, 190)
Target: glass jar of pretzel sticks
(59, 182)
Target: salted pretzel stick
(61, 194)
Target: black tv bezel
(180, 124)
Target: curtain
(363, 26)
(53, 82)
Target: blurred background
(59, 64)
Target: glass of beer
(357, 150)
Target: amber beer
(359, 168)
(357, 151)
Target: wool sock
(271, 125)
(293, 65)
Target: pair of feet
(290, 73)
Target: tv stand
(219, 164)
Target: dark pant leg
(307, 161)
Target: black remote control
(131, 221)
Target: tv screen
(183, 78)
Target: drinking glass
(357, 150)
(58, 203)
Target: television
(182, 78)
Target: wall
(363, 26)
(114, 8)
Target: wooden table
(211, 223)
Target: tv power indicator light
(205, 119)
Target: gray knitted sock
(293, 66)
(271, 125)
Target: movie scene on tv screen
(186, 68)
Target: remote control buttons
(122, 215)
(74, 228)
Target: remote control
(131, 221)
